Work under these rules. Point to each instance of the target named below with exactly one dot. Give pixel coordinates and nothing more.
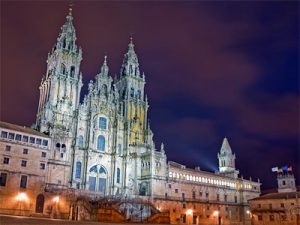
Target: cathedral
(103, 147)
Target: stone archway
(39, 206)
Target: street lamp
(216, 214)
(21, 197)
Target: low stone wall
(109, 215)
(159, 218)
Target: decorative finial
(71, 4)
(105, 57)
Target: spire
(104, 68)
(67, 36)
(130, 64)
(225, 146)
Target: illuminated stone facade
(104, 145)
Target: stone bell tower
(227, 160)
(59, 99)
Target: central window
(101, 143)
(102, 123)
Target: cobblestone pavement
(20, 220)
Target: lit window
(7, 148)
(102, 123)
(44, 154)
(5, 160)
(11, 136)
(18, 137)
(4, 134)
(78, 170)
(101, 143)
(23, 163)
(32, 140)
(25, 151)
(42, 166)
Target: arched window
(101, 143)
(93, 169)
(119, 149)
(139, 94)
(72, 74)
(118, 175)
(102, 170)
(130, 69)
(64, 43)
(131, 92)
(80, 141)
(62, 69)
(78, 170)
(102, 123)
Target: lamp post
(216, 214)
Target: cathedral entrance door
(39, 207)
(102, 185)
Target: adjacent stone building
(103, 147)
(282, 207)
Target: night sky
(212, 70)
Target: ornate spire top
(104, 68)
(131, 45)
(70, 8)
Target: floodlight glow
(56, 199)
(189, 212)
(22, 197)
(216, 213)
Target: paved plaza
(17, 220)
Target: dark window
(23, 182)
(72, 71)
(25, 138)
(235, 199)
(176, 190)
(102, 123)
(7, 148)
(218, 197)
(44, 154)
(206, 194)
(11, 136)
(18, 137)
(61, 155)
(3, 177)
(271, 217)
(5, 160)
(45, 142)
(25, 151)
(194, 195)
(78, 170)
(259, 205)
(38, 141)
(184, 218)
(118, 175)
(283, 182)
(166, 195)
(42, 166)
(183, 205)
(194, 219)
(270, 206)
(283, 217)
(183, 196)
(282, 205)
(225, 198)
(23, 163)
(170, 186)
(32, 140)
(260, 217)
(4, 134)
(200, 193)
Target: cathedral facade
(104, 145)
